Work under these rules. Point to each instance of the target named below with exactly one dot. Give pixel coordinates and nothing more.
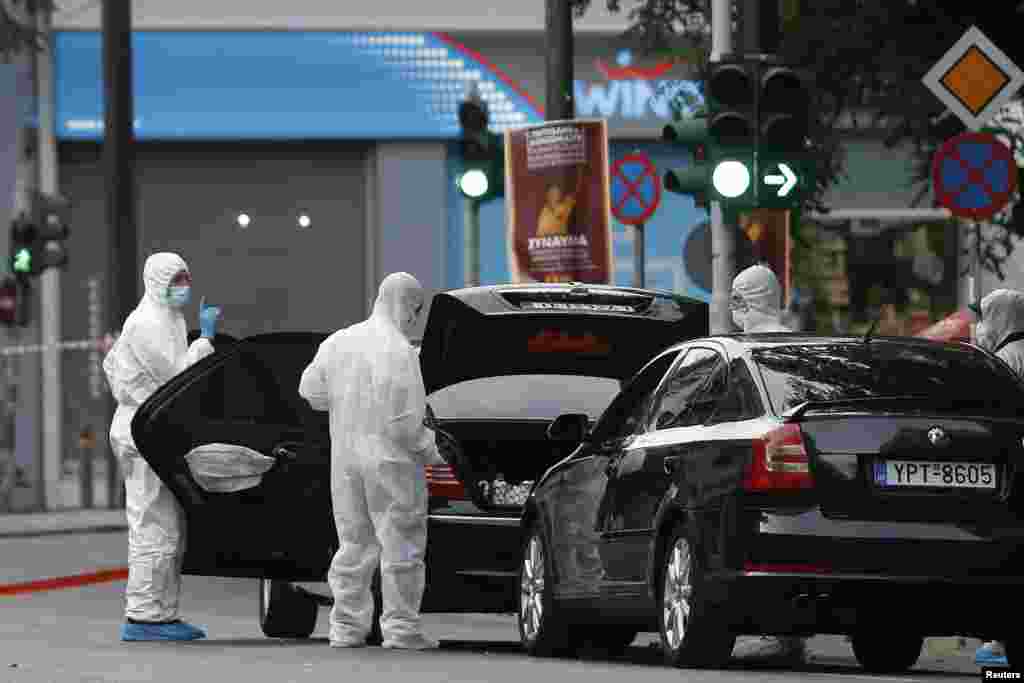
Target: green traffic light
(473, 183)
(731, 179)
(22, 261)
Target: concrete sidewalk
(62, 522)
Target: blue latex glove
(208, 317)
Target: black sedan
(499, 364)
(789, 485)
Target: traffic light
(52, 230)
(693, 179)
(23, 247)
(784, 106)
(13, 303)
(38, 242)
(482, 176)
(732, 126)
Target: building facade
(295, 162)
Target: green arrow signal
(787, 180)
(22, 261)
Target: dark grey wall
(271, 276)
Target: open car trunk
(497, 462)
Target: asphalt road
(71, 635)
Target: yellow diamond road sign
(974, 79)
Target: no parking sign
(636, 190)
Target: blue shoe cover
(986, 657)
(175, 630)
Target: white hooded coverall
(151, 349)
(1002, 316)
(756, 296)
(368, 377)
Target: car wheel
(691, 632)
(542, 630)
(885, 652)
(285, 612)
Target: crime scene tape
(102, 344)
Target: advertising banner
(558, 203)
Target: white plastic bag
(227, 468)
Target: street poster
(558, 203)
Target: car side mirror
(572, 427)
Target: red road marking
(61, 582)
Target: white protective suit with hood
(368, 376)
(151, 349)
(755, 305)
(1001, 328)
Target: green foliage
(18, 31)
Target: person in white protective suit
(368, 377)
(756, 307)
(756, 301)
(151, 349)
(1000, 330)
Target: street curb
(99, 529)
(62, 582)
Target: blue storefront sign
(285, 85)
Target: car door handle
(671, 464)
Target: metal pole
(723, 239)
(49, 289)
(118, 159)
(977, 265)
(472, 241)
(559, 102)
(639, 266)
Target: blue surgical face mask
(178, 296)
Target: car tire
(691, 630)
(286, 612)
(543, 631)
(376, 637)
(886, 652)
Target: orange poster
(558, 203)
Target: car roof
(742, 342)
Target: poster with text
(558, 203)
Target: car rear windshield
(524, 397)
(834, 372)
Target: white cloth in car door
(227, 468)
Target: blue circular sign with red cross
(974, 175)
(636, 190)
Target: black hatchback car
(499, 364)
(786, 484)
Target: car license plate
(969, 475)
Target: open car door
(246, 395)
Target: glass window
(674, 406)
(526, 397)
(831, 372)
(741, 400)
(628, 412)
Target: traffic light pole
(471, 241)
(723, 238)
(559, 104)
(118, 159)
(49, 279)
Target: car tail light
(442, 483)
(780, 462)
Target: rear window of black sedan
(794, 374)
